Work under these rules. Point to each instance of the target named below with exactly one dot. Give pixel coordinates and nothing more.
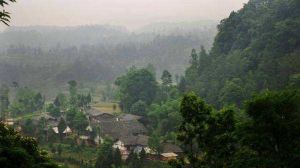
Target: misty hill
(256, 48)
(180, 28)
(41, 56)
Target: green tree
(155, 142)
(143, 156)
(192, 131)
(203, 60)
(117, 158)
(18, 151)
(166, 78)
(139, 108)
(53, 110)
(137, 84)
(59, 149)
(151, 68)
(233, 92)
(29, 128)
(73, 92)
(105, 155)
(60, 101)
(220, 141)
(80, 122)
(62, 125)
(194, 58)
(182, 85)
(4, 101)
(273, 129)
(133, 160)
(38, 101)
(257, 45)
(27, 101)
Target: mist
(130, 13)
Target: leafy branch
(4, 15)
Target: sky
(130, 13)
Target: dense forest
(234, 102)
(256, 48)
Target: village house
(9, 121)
(117, 129)
(131, 143)
(96, 116)
(45, 117)
(170, 152)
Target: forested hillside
(256, 48)
(51, 56)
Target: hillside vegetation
(256, 48)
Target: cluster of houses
(126, 130)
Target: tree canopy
(137, 84)
(256, 48)
(20, 152)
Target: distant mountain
(41, 55)
(51, 36)
(182, 28)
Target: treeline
(17, 101)
(256, 48)
(47, 57)
(264, 134)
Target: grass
(72, 156)
(27, 116)
(107, 107)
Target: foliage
(20, 152)
(28, 127)
(80, 122)
(4, 101)
(139, 108)
(26, 101)
(273, 129)
(193, 129)
(73, 93)
(166, 78)
(53, 110)
(155, 142)
(268, 136)
(60, 101)
(105, 155)
(62, 125)
(256, 48)
(137, 84)
(133, 160)
(4, 15)
(164, 117)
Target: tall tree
(62, 125)
(4, 101)
(105, 155)
(73, 92)
(166, 78)
(139, 108)
(274, 128)
(137, 84)
(117, 158)
(192, 131)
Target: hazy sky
(130, 13)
